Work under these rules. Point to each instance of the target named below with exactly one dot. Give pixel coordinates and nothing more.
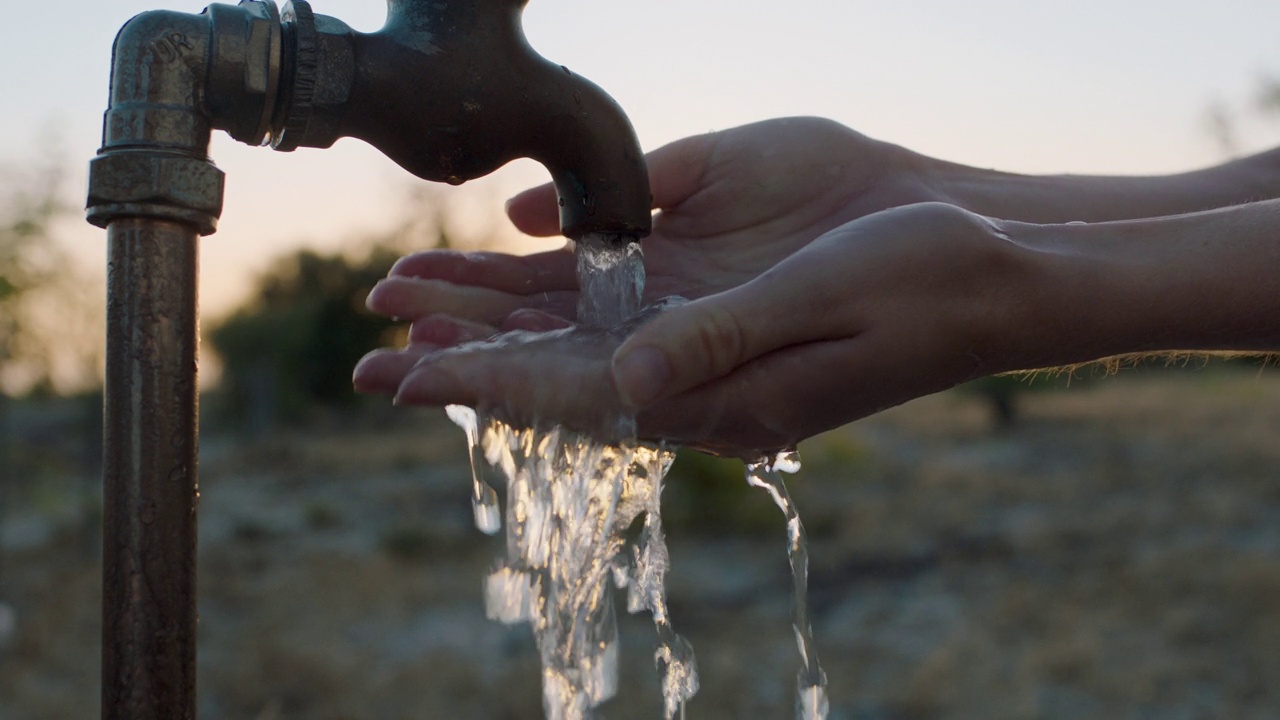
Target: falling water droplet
(484, 499)
(488, 516)
(811, 684)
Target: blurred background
(1053, 547)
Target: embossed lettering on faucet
(169, 48)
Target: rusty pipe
(449, 90)
(149, 471)
(154, 190)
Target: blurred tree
(50, 334)
(1000, 392)
(1226, 123)
(32, 271)
(294, 346)
(291, 348)
(1268, 99)
(50, 319)
(1220, 124)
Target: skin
(833, 276)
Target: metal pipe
(154, 190)
(489, 98)
(449, 90)
(149, 481)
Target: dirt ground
(1114, 554)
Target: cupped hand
(878, 311)
(730, 204)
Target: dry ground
(1115, 555)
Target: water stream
(584, 518)
(811, 684)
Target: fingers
(536, 211)
(534, 321)
(541, 272)
(444, 331)
(482, 287)
(764, 405)
(676, 171)
(525, 379)
(692, 344)
(382, 371)
(403, 297)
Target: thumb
(675, 172)
(534, 211)
(688, 345)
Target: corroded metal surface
(150, 486)
(155, 191)
(159, 184)
(453, 91)
(450, 91)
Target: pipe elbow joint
(177, 76)
(450, 91)
(153, 160)
(157, 72)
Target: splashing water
(484, 499)
(573, 507)
(611, 278)
(570, 505)
(811, 684)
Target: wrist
(1248, 179)
(1197, 282)
(1098, 198)
(1077, 294)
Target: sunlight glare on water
(484, 499)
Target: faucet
(448, 89)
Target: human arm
(733, 203)
(1099, 198)
(887, 308)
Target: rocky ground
(1115, 554)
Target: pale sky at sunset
(1083, 87)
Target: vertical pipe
(150, 487)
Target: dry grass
(1116, 554)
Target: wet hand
(882, 310)
(878, 311)
(730, 204)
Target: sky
(1090, 86)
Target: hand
(878, 311)
(731, 205)
(811, 311)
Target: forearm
(1067, 198)
(1206, 281)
